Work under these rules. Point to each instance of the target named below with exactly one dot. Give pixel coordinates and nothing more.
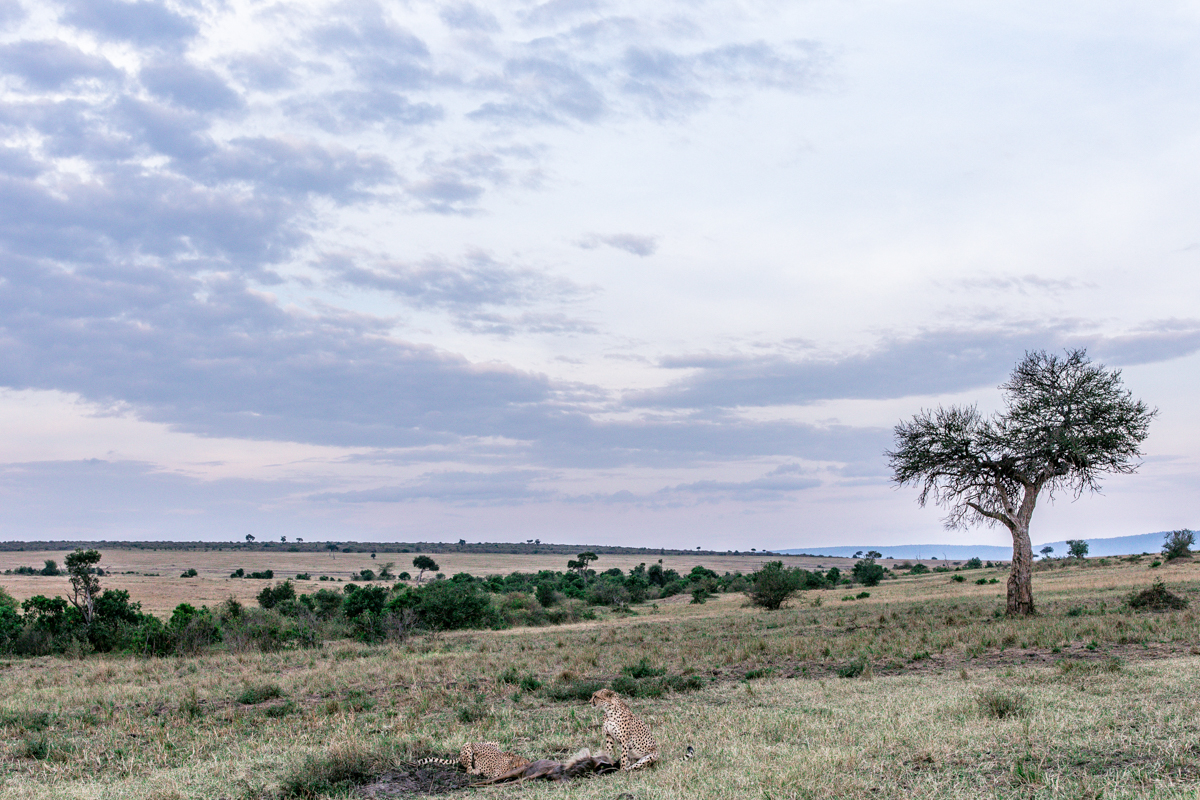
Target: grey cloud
(505, 487)
(51, 64)
(629, 242)
(265, 72)
(376, 49)
(18, 163)
(468, 17)
(934, 362)
(342, 111)
(556, 11)
(778, 484)
(130, 500)
(475, 281)
(1024, 284)
(177, 132)
(544, 90)
(142, 22)
(189, 86)
(296, 168)
(11, 11)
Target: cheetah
(638, 748)
(482, 758)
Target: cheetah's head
(603, 697)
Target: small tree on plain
(1066, 423)
(867, 572)
(772, 585)
(1177, 544)
(1077, 548)
(249, 538)
(1046, 551)
(424, 563)
(85, 586)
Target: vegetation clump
(1157, 598)
(999, 704)
(1177, 544)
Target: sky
(655, 274)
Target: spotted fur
(621, 728)
(482, 758)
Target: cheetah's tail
(688, 755)
(444, 761)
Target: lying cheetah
(638, 748)
(482, 758)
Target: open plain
(921, 690)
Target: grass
(758, 694)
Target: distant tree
(1066, 422)
(537, 541)
(973, 563)
(868, 573)
(372, 556)
(331, 547)
(1177, 544)
(1046, 551)
(461, 542)
(580, 564)
(874, 554)
(857, 554)
(50, 568)
(772, 585)
(1077, 548)
(385, 572)
(424, 563)
(298, 539)
(283, 540)
(249, 538)
(85, 586)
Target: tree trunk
(1020, 577)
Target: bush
(303, 576)
(335, 773)
(642, 669)
(238, 573)
(772, 585)
(189, 573)
(1157, 598)
(957, 578)
(973, 563)
(445, 605)
(1177, 544)
(868, 573)
(270, 597)
(999, 704)
(261, 693)
(545, 594)
(265, 575)
(918, 569)
(982, 581)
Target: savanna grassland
(921, 690)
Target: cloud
(143, 22)
(50, 65)
(189, 86)
(934, 362)
(505, 487)
(468, 17)
(629, 242)
(346, 110)
(379, 52)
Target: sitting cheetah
(482, 758)
(638, 748)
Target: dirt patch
(416, 781)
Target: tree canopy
(1066, 423)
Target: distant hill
(1113, 546)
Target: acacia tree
(1066, 422)
(424, 563)
(85, 586)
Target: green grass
(942, 698)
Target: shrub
(50, 568)
(545, 594)
(918, 569)
(868, 573)
(238, 573)
(270, 597)
(852, 669)
(982, 581)
(641, 669)
(303, 576)
(999, 704)
(265, 575)
(772, 585)
(1177, 544)
(335, 773)
(253, 695)
(189, 573)
(445, 605)
(862, 595)
(957, 578)
(973, 563)
(699, 595)
(530, 683)
(1157, 598)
